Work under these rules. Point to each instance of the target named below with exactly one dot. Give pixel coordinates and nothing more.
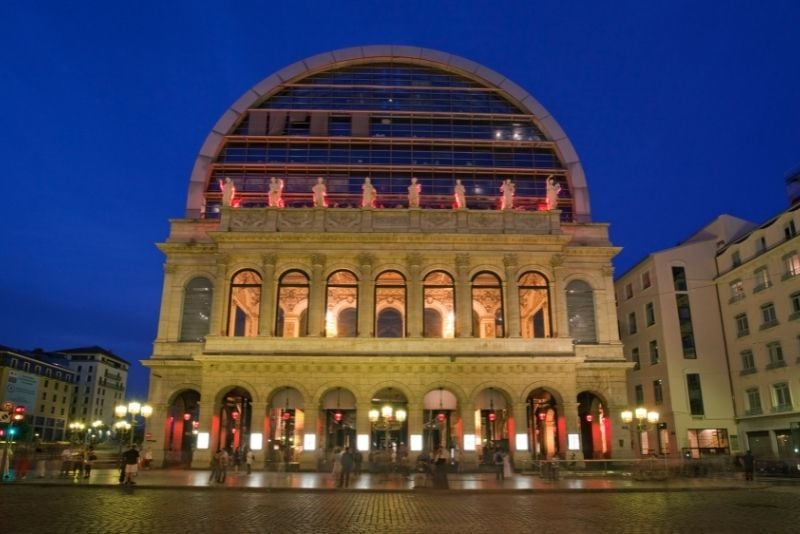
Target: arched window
(245, 304)
(390, 304)
(341, 306)
(197, 296)
(292, 305)
(487, 306)
(534, 306)
(580, 312)
(438, 302)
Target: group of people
(76, 462)
(369, 195)
(346, 463)
(224, 458)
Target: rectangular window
(646, 280)
(742, 325)
(789, 231)
(695, 392)
(650, 314)
(748, 362)
(679, 279)
(628, 291)
(658, 392)
(632, 323)
(653, 352)
(761, 279)
(768, 316)
(736, 259)
(639, 394)
(775, 355)
(685, 323)
(761, 245)
(782, 398)
(635, 358)
(795, 300)
(791, 265)
(753, 401)
(737, 291)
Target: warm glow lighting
(589, 418)
(121, 410)
(330, 324)
(652, 417)
(256, 441)
(202, 440)
(97, 423)
(147, 411)
(373, 415)
(400, 415)
(441, 417)
(640, 413)
(187, 416)
(522, 442)
(337, 416)
(449, 327)
(310, 442)
(387, 411)
(492, 416)
(573, 442)
(469, 442)
(362, 442)
(134, 408)
(627, 416)
(416, 442)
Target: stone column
(155, 425)
(169, 318)
(463, 297)
(219, 319)
(316, 298)
(523, 459)
(364, 426)
(268, 305)
(558, 298)
(512, 296)
(415, 307)
(308, 459)
(605, 307)
(469, 459)
(209, 422)
(573, 426)
(366, 296)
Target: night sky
(679, 111)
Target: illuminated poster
(21, 388)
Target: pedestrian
(89, 456)
(131, 459)
(499, 468)
(250, 459)
(440, 469)
(358, 458)
(508, 469)
(147, 457)
(214, 467)
(749, 462)
(223, 459)
(347, 462)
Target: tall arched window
(341, 306)
(390, 305)
(580, 312)
(292, 305)
(197, 296)
(438, 302)
(487, 306)
(534, 306)
(245, 304)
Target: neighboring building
(42, 383)
(409, 321)
(759, 294)
(101, 378)
(671, 330)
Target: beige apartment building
(388, 248)
(670, 325)
(759, 294)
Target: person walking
(499, 473)
(749, 462)
(347, 462)
(89, 457)
(131, 460)
(223, 459)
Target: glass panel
(197, 298)
(293, 294)
(245, 304)
(534, 306)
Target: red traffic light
(19, 413)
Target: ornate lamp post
(387, 420)
(77, 427)
(133, 408)
(643, 418)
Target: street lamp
(644, 418)
(77, 428)
(133, 408)
(387, 420)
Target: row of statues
(369, 195)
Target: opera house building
(388, 248)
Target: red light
(235, 416)
(589, 418)
(286, 416)
(542, 416)
(337, 416)
(441, 417)
(492, 416)
(187, 416)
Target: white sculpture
(459, 194)
(508, 188)
(553, 189)
(414, 191)
(320, 193)
(276, 192)
(228, 191)
(369, 196)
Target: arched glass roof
(388, 113)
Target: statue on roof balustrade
(553, 189)
(460, 200)
(276, 192)
(507, 189)
(414, 191)
(369, 195)
(228, 191)
(320, 193)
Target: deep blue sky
(679, 111)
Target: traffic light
(19, 413)
(11, 432)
